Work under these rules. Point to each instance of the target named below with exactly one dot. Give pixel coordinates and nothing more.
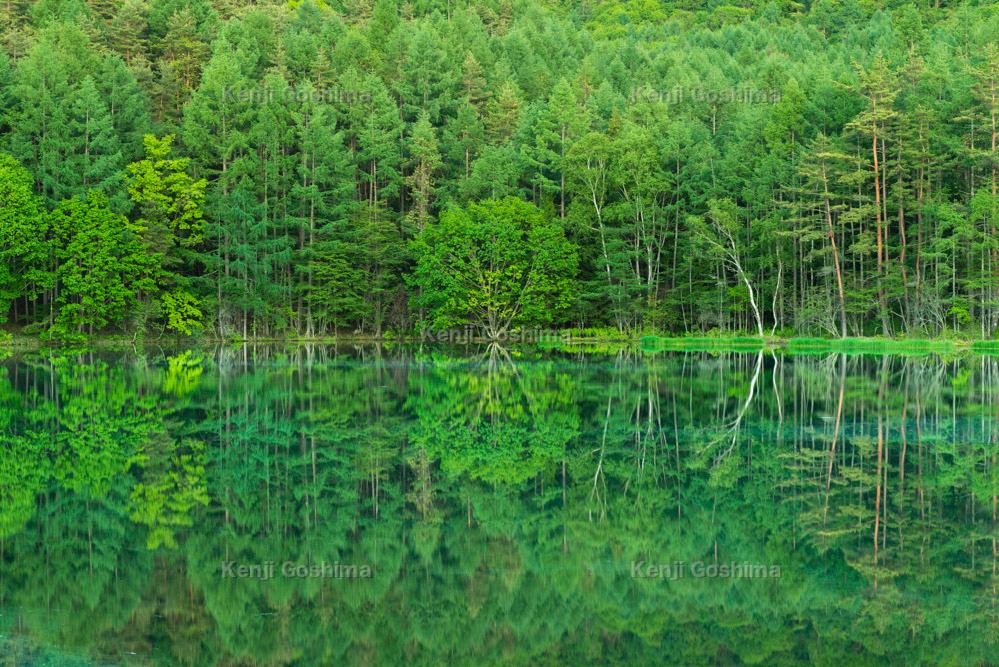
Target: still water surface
(388, 506)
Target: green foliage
(182, 312)
(494, 265)
(99, 267)
(169, 201)
(24, 248)
(824, 168)
(166, 497)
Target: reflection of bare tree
(498, 357)
(501, 372)
(835, 439)
(778, 366)
(734, 427)
(600, 466)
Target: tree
(214, 130)
(722, 232)
(463, 137)
(428, 81)
(503, 113)
(879, 89)
(821, 173)
(425, 161)
(378, 156)
(42, 95)
(170, 225)
(95, 159)
(24, 241)
(128, 28)
(560, 123)
(323, 202)
(589, 164)
(494, 265)
(6, 86)
(127, 103)
(98, 274)
(183, 55)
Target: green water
(402, 506)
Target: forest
(279, 169)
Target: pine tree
(503, 113)
(879, 90)
(273, 173)
(428, 83)
(557, 127)
(821, 207)
(384, 19)
(323, 204)
(377, 128)
(425, 161)
(6, 98)
(184, 52)
(473, 82)
(95, 158)
(42, 95)
(127, 103)
(215, 128)
(129, 32)
(463, 137)
(216, 120)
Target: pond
(342, 505)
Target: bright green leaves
(23, 247)
(495, 265)
(170, 224)
(498, 422)
(181, 311)
(24, 469)
(169, 200)
(97, 274)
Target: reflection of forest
(500, 504)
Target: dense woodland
(306, 167)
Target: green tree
(494, 265)
(170, 225)
(425, 161)
(559, 125)
(98, 274)
(95, 159)
(24, 241)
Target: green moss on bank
(804, 345)
(701, 343)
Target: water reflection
(510, 505)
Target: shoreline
(811, 345)
(646, 343)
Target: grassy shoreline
(647, 343)
(809, 345)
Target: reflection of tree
(79, 571)
(498, 421)
(481, 557)
(23, 474)
(170, 490)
